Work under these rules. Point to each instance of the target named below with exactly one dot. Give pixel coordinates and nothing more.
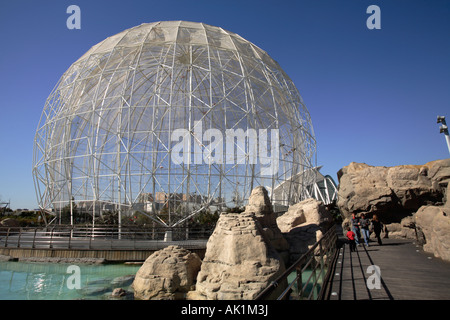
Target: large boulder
(303, 225)
(434, 223)
(391, 192)
(404, 229)
(309, 211)
(239, 262)
(167, 274)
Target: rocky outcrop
(309, 211)
(118, 293)
(167, 274)
(434, 223)
(303, 225)
(391, 192)
(259, 204)
(239, 262)
(244, 253)
(404, 229)
(411, 200)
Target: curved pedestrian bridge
(114, 244)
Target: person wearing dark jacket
(377, 227)
(364, 224)
(355, 228)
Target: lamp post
(444, 129)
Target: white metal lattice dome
(111, 131)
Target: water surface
(52, 281)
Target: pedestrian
(364, 224)
(377, 227)
(355, 228)
(351, 239)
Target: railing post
(70, 236)
(322, 265)
(7, 236)
(50, 245)
(300, 282)
(314, 276)
(20, 236)
(34, 238)
(90, 238)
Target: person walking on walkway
(364, 224)
(377, 227)
(355, 228)
(351, 240)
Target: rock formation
(391, 192)
(118, 292)
(241, 256)
(309, 211)
(434, 223)
(259, 204)
(167, 274)
(404, 229)
(303, 225)
(239, 263)
(411, 200)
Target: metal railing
(101, 237)
(306, 278)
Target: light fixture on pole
(444, 129)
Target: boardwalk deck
(407, 273)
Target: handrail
(326, 253)
(105, 237)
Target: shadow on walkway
(397, 270)
(350, 278)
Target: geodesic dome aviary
(141, 121)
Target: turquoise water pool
(47, 281)
(307, 290)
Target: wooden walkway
(406, 273)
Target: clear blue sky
(373, 95)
